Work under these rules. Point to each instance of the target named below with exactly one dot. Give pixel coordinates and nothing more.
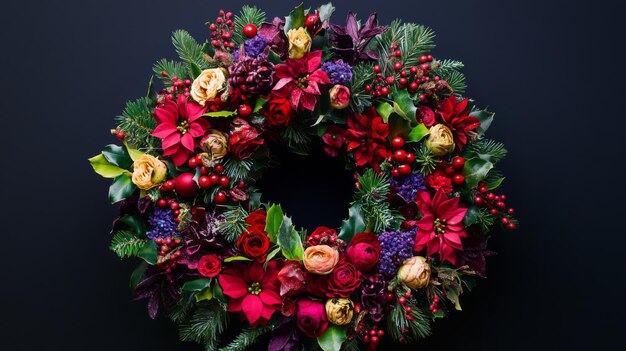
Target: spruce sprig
(172, 68)
(137, 123)
(125, 244)
(209, 320)
(237, 170)
(450, 71)
(234, 223)
(189, 51)
(246, 338)
(414, 39)
(248, 15)
(426, 160)
(372, 198)
(403, 330)
(359, 98)
(487, 148)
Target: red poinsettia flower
(366, 136)
(455, 115)
(299, 80)
(333, 139)
(441, 228)
(252, 291)
(180, 124)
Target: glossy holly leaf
(418, 133)
(485, 117)
(289, 240)
(471, 216)
(236, 258)
(117, 156)
(137, 274)
(354, 224)
(197, 285)
(273, 221)
(136, 223)
(326, 11)
(384, 110)
(104, 168)
(258, 105)
(403, 105)
(496, 183)
(149, 253)
(453, 296)
(273, 57)
(121, 188)
(475, 170)
(295, 19)
(133, 153)
(206, 294)
(220, 114)
(332, 338)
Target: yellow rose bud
(415, 272)
(215, 144)
(148, 172)
(320, 259)
(440, 141)
(207, 85)
(299, 42)
(339, 311)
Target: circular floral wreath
(416, 234)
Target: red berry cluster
(166, 258)
(222, 31)
(403, 158)
(454, 169)
(373, 336)
(496, 205)
(434, 306)
(178, 86)
(118, 133)
(167, 201)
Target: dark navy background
(552, 70)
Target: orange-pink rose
(320, 259)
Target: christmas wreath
(424, 203)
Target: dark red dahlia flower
(252, 291)
(366, 136)
(334, 140)
(455, 115)
(180, 124)
(244, 139)
(299, 80)
(441, 228)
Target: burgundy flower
(363, 251)
(209, 265)
(426, 115)
(455, 115)
(350, 42)
(311, 317)
(252, 291)
(439, 180)
(343, 280)
(441, 228)
(244, 139)
(254, 244)
(366, 137)
(180, 124)
(334, 139)
(299, 80)
(292, 279)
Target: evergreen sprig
(237, 170)
(137, 123)
(485, 219)
(426, 160)
(189, 51)
(403, 330)
(450, 71)
(234, 223)
(172, 68)
(414, 39)
(125, 244)
(249, 14)
(297, 140)
(372, 198)
(209, 320)
(184, 307)
(246, 338)
(359, 98)
(493, 150)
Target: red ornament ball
(249, 30)
(185, 185)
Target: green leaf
(273, 221)
(326, 11)
(496, 183)
(121, 188)
(135, 277)
(485, 117)
(332, 338)
(475, 170)
(295, 19)
(453, 296)
(133, 153)
(273, 57)
(272, 254)
(403, 105)
(258, 105)
(151, 94)
(354, 224)
(384, 110)
(220, 114)
(197, 285)
(471, 216)
(149, 253)
(236, 258)
(104, 168)
(136, 223)
(418, 133)
(289, 240)
(117, 156)
(206, 294)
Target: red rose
(254, 244)
(209, 265)
(244, 139)
(363, 251)
(343, 280)
(439, 180)
(311, 317)
(278, 111)
(426, 115)
(317, 285)
(256, 219)
(334, 139)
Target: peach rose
(415, 272)
(440, 141)
(207, 85)
(320, 259)
(148, 172)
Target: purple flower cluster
(162, 224)
(339, 72)
(396, 247)
(254, 47)
(407, 187)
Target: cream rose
(320, 259)
(207, 85)
(148, 172)
(339, 96)
(415, 272)
(339, 311)
(440, 141)
(299, 42)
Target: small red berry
(193, 162)
(395, 173)
(204, 182)
(449, 170)
(249, 30)
(423, 59)
(204, 170)
(311, 21)
(164, 73)
(374, 339)
(390, 79)
(244, 110)
(397, 142)
(220, 197)
(404, 170)
(399, 155)
(215, 179)
(397, 66)
(458, 162)
(377, 69)
(413, 86)
(384, 91)
(402, 300)
(410, 158)
(224, 181)
(402, 81)
(429, 57)
(413, 70)
(174, 205)
(397, 53)
(511, 226)
(120, 135)
(381, 332)
(219, 168)
(478, 200)
(458, 179)
(505, 220)
(510, 211)
(162, 203)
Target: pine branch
(426, 160)
(126, 244)
(246, 338)
(415, 40)
(172, 68)
(207, 323)
(189, 51)
(403, 330)
(137, 123)
(234, 223)
(488, 149)
(450, 71)
(350, 345)
(183, 308)
(249, 14)
(486, 220)
(359, 98)
(372, 198)
(297, 140)
(237, 170)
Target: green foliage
(333, 338)
(125, 244)
(426, 160)
(249, 14)
(184, 307)
(274, 221)
(189, 51)
(414, 39)
(295, 19)
(372, 199)
(289, 241)
(489, 150)
(406, 331)
(486, 220)
(450, 71)
(208, 321)
(297, 140)
(237, 170)
(360, 99)
(121, 188)
(137, 123)
(352, 225)
(173, 69)
(234, 223)
(350, 345)
(246, 338)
